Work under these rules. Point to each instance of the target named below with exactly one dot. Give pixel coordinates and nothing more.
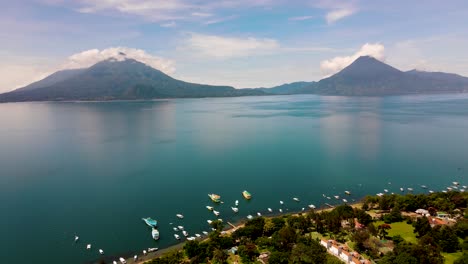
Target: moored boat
(205, 233)
(296, 199)
(209, 207)
(197, 235)
(246, 195)
(214, 197)
(175, 229)
(215, 212)
(155, 234)
(237, 202)
(152, 249)
(235, 209)
(180, 227)
(150, 222)
(311, 206)
(270, 210)
(177, 236)
(347, 192)
(337, 197)
(122, 260)
(101, 251)
(249, 217)
(88, 246)
(185, 233)
(180, 216)
(209, 221)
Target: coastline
(229, 229)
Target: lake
(96, 168)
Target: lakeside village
(431, 227)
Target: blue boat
(150, 222)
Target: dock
(329, 205)
(233, 226)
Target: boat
(180, 216)
(296, 199)
(114, 262)
(135, 258)
(77, 238)
(237, 202)
(303, 209)
(380, 194)
(101, 251)
(152, 249)
(311, 206)
(281, 202)
(185, 233)
(215, 198)
(180, 227)
(259, 214)
(281, 210)
(430, 191)
(190, 238)
(385, 190)
(209, 221)
(219, 219)
(250, 217)
(88, 246)
(205, 233)
(175, 229)
(150, 222)
(337, 197)
(197, 235)
(328, 197)
(215, 212)
(212, 229)
(235, 209)
(347, 192)
(269, 210)
(155, 234)
(444, 191)
(209, 207)
(424, 186)
(449, 188)
(456, 183)
(410, 189)
(246, 195)
(464, 187)
(177, 236)
(401, 189)
(144, 252)
(345, 201)
(122, 260)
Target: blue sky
(243, 43)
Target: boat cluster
(455, 186)
(101, 252)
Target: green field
(451, 257)
(401, 228)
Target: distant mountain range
(131, 80)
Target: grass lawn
(451, 257)
(401, 228)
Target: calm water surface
(95, 169)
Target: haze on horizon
(256, 43)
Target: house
(435, 221)
(423, 212)
(358, 225)
(263, 257)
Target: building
(343, 252)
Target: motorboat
(281, 202)
(180, 227)
(401, 189)
(144, 252)
(197, 235)
(237, 202)
(296, 199)
(122, 260)
(205, 233)
(180, 216)
(209, 207)
(101, 251)
(311, 206)
(269, 210)
(337, 197)
(177, 236)
(77, 238)
(190, 238)
(150, 222)
(259, 214)
(347, 192)
(209, 221)
(456, 183)
(235, 209)
(345, 201)
(246, 195)
(185, 233)
(219, 219)
(281, 210)
(135, 258)
(175, 229)
(250, 217)
(385, 190)
(215, 212)
(152, 249)
(88, 246)
(410, 189)
(155, 234)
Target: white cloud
(300, 18)
(90, 57)
(229, 47)
(332, 66)
(338, 14)
(169, 24)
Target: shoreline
(229, 229)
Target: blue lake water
(95, 169)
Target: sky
(242, 43)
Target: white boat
(155, 234)
(219, 219)
(401, 189)
(175, 229)
(215, 212)
(311, 206)
(347, 192)
(444, 191)
(328, 197)
(249, 217)
(205, 233)
(209, 207)
(345, 201)
(135, 258)
(209, 221)
(456, 183)
(122, 260)
(237, 202)
(449, 188)
(114, 262)
(101, 251)
(385, 190)
(462, 190)
(185, 233)
(197, 235)
(259, 214)
(152, 249)
(180, 227)
(430, 191)
(144, 252)
(281, 202)
(410, 189)
(77, 238)
(380, 194)
(424, 186)
(190, 238)
(177, 236)
(337, 197)
(303, 209)
(269, 210)
(235, 209)
(212, 229)
(281, 210)
(180, 216)
(464, 187)
(88, 246)
(296, 199)
(324, 195)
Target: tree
(278, 257)
(383, 230)
(192, 248)
(359, 237)
(219, 256)
(422, 226)
(248, 252)
(393, 216)
(462, 260)
(448, 240)
(302, 253)
(397, 239)
(362, 217)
